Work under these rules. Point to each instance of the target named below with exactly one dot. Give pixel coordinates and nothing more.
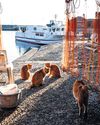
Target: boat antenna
(55, 17)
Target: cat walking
(81, 95)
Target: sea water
(14, 48)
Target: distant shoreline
(10, 27)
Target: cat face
(24, 68)
(46, 70)
(29, 66)
(47, 65)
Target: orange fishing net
(65, 59)
(97, 30)
(84, 61)
(69, 61)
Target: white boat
(42, 35)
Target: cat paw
(51, 76)
(29, 87)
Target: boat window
(53, 30)
(44, 29)
(49, 30)
(52, 22)
(23, 29)
(41, 34)
(58, 29)
(62, 29)
(49, 25)
(34, 28)
(37, 34)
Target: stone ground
(52, 103)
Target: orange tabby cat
(25, 73)
(38, 76)
(80, 93)
(54, 71)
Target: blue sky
(40, 11)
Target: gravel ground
(50, 104)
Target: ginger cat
(80, 93)
(25, 73)
(38, 77)
(54, 71)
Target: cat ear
(47, 64)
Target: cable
(98, 3)
(75, 2)
(71, 6)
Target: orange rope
(84, 66)
(73, 65)
(73, 24)
(68, 62)
(65, 60)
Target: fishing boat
(37, 34)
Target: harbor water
(14, 48)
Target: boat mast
(55, 17)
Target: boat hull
(37, 41)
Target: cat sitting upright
(54, 71)
(25, 73)
(38, 76)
